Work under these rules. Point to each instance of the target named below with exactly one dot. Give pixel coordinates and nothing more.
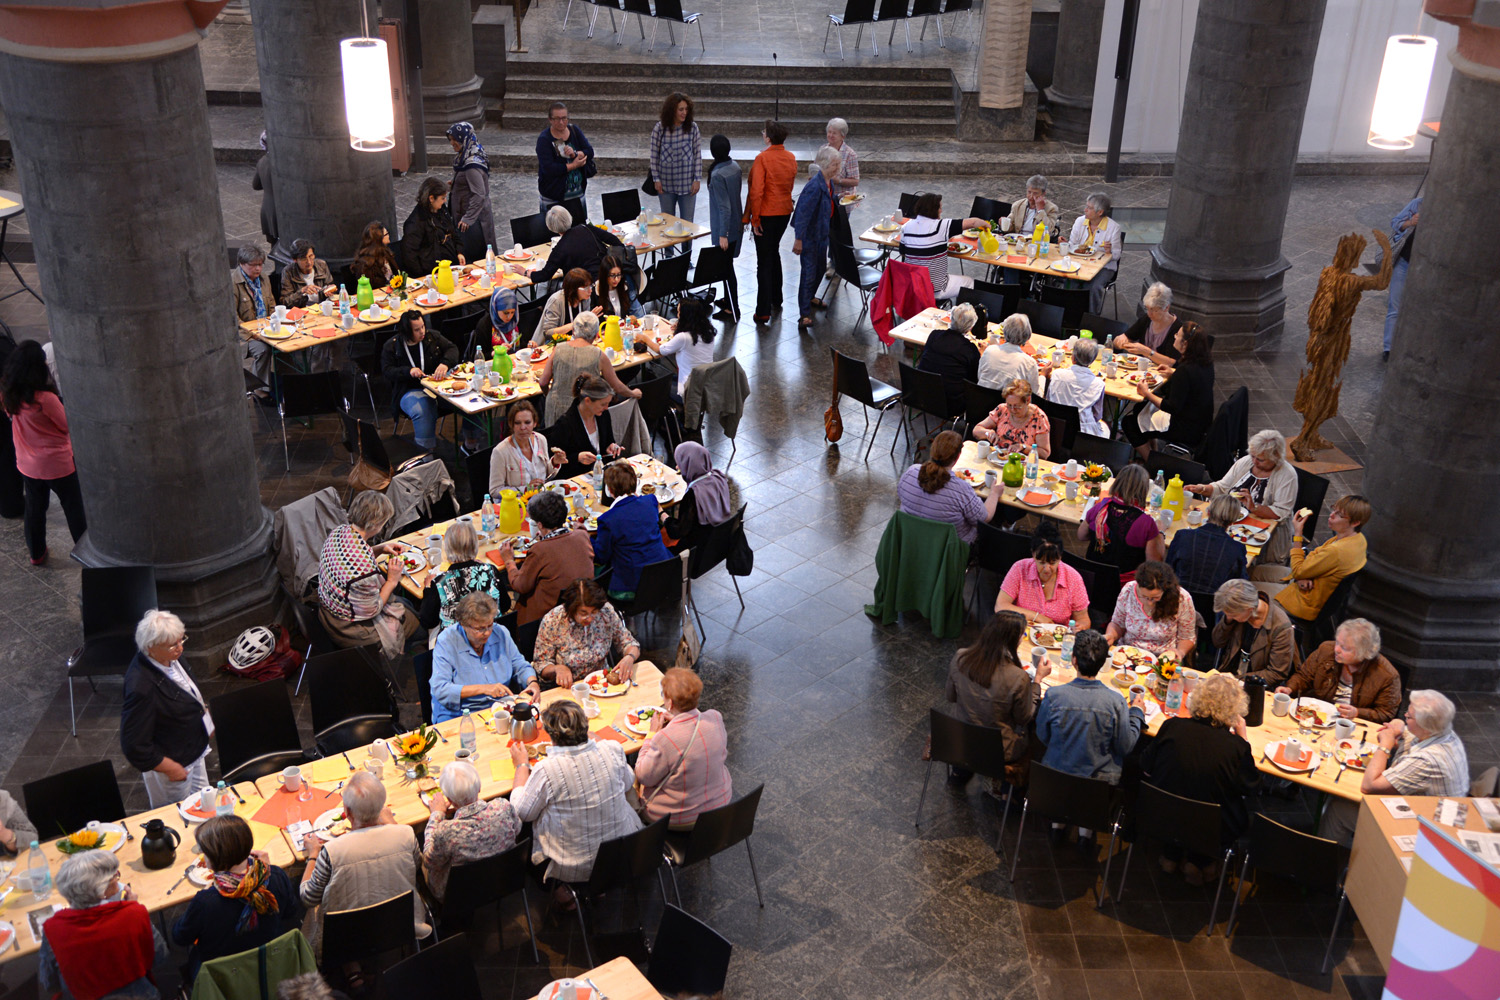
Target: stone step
(683, 76)
(864, 110)
(748, 124)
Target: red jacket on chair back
(904, 289)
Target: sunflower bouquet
(83, 840)
(413, 747)
(558, 338)
(1095, 476)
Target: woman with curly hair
(374, 259)
(677, 159)
(1154, 613)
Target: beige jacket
(1051, 213)
(364, 867)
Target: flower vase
(415, 769)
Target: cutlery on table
(1342, 769)
(181, 880)
(348, 761)
(595, 986)
(237, 794)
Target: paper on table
(1451, 812)
(1406, 862)
(1407, 842)
(1482, 845)
(1489, 811)
(1397, 807)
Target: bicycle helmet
(253, 646)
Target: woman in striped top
(924, 241)
(931, 490)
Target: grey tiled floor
(827, 708)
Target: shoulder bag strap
(676, 767)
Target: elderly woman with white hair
(581, 246)
(950, 355)
(1036, 207)
(1253, 634)
(103, 944)
(357, 598)
(1095, 230)
(164, 725)
(1265, 483)
(462, 829)
(1079, 387)
(577, 356)
(1153, 335)
(812, 222)
(1350, 673)
(1005, 360)
(836, 132)
(375, 861)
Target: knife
(601, 995)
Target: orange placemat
(1012, 258)
(607, 733)
(282, 808)
(1254, 522)
(325, 333)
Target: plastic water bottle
(487, 516)
(489, 260)
(1042, 250)
(1158, 488)
(466, 737)
(38, 875)
(1174, 695)
(1066, 652)
(223, 801)
(1031, 464)
(481, 367)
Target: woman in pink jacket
(44, 452)
(681, 767)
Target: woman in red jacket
(44, 452)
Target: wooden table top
(646, 466)
(524, 383)
(497, 774)
(1010, 255)
(155, 889)
(619, 979)
(1123, 387)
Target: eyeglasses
(558, 118)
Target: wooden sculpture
(1328, 320)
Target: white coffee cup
(376, 767)
(1195, 517)
(1293, 750)
(1281, 704)
(580, 691)
(990, 479)
(291, 777)
(206, 800)
(380, 751)
(1070, 490)
(280, 315)
(1005, 224)
(326, 307)
(434, 297)
(1343, 729)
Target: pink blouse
(40, 433)
(1024, 585)
(1158, 637)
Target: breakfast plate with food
(600, 687)
(1049, 635)
(1354, 753)
(1315, 713)
(1132, 656)
(413, 560)
(851, 199)
(331, 824)
(1247, 535)
(457, 387)
(962, 249)
(638, 719)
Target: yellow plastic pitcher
(442, 277)
(988, 243)
(612, 334)
(512, 514)
(1172, 498)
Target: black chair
(997, 549)
(660, 589)
(908, 203)
(927, 10)
(478, 884)
(1228, 436)
(854, 380)
(1105, 330)
(445, 969)
(1074, 302)
(385, 454)
(667, 279)
(530, 230)
(891, 11)
(1195, 825)
(710, 549)
(688, 957)
(308, 396)
(847, 267)
(716, 267)
(642, 10)
(1191, 472)
(1102, 451)
(670, 11)
(860, 12)
(1312, 490)
(421, 665)
(980, 749)
(1091, 803)
(113, 601)
(310, 626)
(983, 208)
(524, 636)
(1010, 289)
(654, 405)
(477, 468)
(578, 213)
(350, 704)
(1101, 580)
(1314, 864)
(62, 803)
(923, 392)
(1045, 319)
(869, 256)
(716, 831)
(980, 401)
(1311, 635)
(370, 932)
(527, 319)
(1205, 654)
(1113, 285)
(997, 305)
(1064, 424)
(620, 862)
(255, 731)
(623, 206)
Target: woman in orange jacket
(768, 210)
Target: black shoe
(1385, 355)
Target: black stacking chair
(369, 933)
(982, 208)
(716, 267)
(1205, 654)
(63, 803)
(708, 551)
(255, 731)
(1063, 421)
(308, 396)
(1105, 330)
(642, 10)
(113, 601)
(997, 549)
(1311, 636)
(1191, 472)
(923, 392)
(385, 454)
(863, 277)
(908, 203)
(624, 206)
(350, 703)
(1091, 803)
(980, 749)
(860, 12)
(1312, 863)
(980, 401)
(310, 626)
(421, 665)
(1045, 319)
(688, 957)
(854, 380)
(530, 230)
(1103, 451)
(670, 11)
(716, 831)
(660, 590)
(478, 884)
(445, 969)
(667, 279)
(997, 305)
(1228, 436)
(477, 467)
(1312, 490)
(1073, 301)
(890, 12)
(1101, 580)
(622, 861)
(577, 211)
(1161, 815)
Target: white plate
(1145, 655)
(850, 199)
(1065, 266)
(200, 876)
(449, 390)
(1310, 764)
(1043, 635)
(373, 315)
(1052, 496)
(881, 227)
(106, 829)
(1348, 751)
(962, 249)
(554, 990)
(512, 255)
(643, 726)
(1328, 711)
(280, 333)
(7, 935)
(1247, 535)
(187, 803)
(423, 301)
(326, 820)
(609, 690)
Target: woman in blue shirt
(476, 661)
(811, 222)
(726, 210)
(629, 536)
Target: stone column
(1071, 95)
(1248, 79)
(130, 253)
(1002, 53)
(450, 90)
(1432, 582)
(326, 191)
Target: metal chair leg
(588, 952)
(1338, 915)
(1010, 791)
(672, 870)
(567, 13)
(72, 712)
(526, 906)
(1109, 859)
(1124, 873)
(737, 592)
(285, 452)
(754, 874)
(1020, 832)
(1223, 873)
(1239, 889)
(826, 32)
(917, 820)
(871, 443)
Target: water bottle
(1031, 464)
(37, 874)
(1066, 652)
(1174, 695)
(489, 260)
(480, 366)
(466, 738)
(487, 516)
(1158, 488)
(223, 801)
(1042, 250)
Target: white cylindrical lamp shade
(1401, 96)
(367, 94)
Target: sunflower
(398, 279)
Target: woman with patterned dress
(577, 637)
(463, 829)
(465, 575)
(1017, 424)
(355, 599)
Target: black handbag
(649, 184)
(741, 558)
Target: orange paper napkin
(283, 808)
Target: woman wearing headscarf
(471, 191)
(505, 327)
(725, 209)
(707, 502)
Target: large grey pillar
(450, 90)
(1432, 582)
(1247, 87)
(130, 253)
(326, 191)
(1070, 98)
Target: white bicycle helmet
(253, 645)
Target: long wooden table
(1124, 386)
(1011, 255)
(1376, 882)
(619, 979)
(496, 772)
(157, 890)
